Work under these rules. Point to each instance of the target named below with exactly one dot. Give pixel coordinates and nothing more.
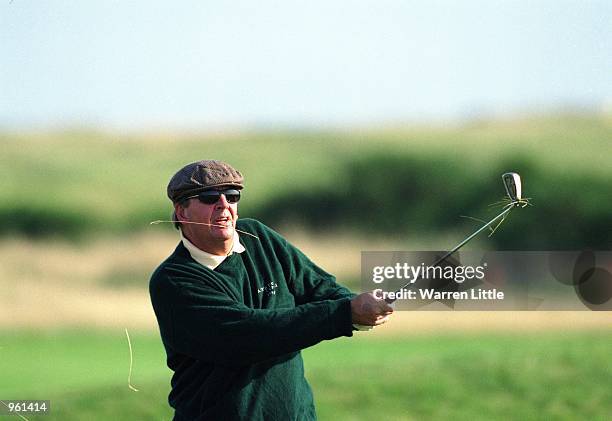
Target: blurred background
(358, 126)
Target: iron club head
(512, 183)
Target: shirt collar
(208, 260)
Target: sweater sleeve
(208, 325)
(309, 282)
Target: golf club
(512, 183)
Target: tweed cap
(200, 176)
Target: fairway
(398, 377)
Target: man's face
(221, 215)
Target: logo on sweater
(268, 289)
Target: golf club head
(512, 183)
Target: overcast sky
(141, 64)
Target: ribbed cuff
(341, 318)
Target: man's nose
(222, 202)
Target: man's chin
(223, 233)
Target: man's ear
(179, 210)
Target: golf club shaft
(458, 246)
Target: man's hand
(368, 310)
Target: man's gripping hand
(369, 311)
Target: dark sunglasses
(210, 197)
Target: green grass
(84, 374)
(473, 376)
(553, 376)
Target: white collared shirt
(208, 260)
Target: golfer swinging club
(236, 303)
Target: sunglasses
(210, 197)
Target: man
(236, 303)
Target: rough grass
(554, 375)
(67, 183)
(104, 283)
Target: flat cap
(200, 176)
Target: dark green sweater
(233, 335)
